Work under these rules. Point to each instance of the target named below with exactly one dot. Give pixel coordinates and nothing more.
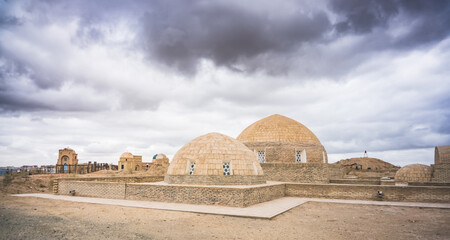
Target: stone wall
(134, 179)
(302, 172)
(226, 196)
(215, 180)
(92, 189)
(243, 196)
(363, 181)
(370, 192)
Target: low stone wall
(129, 179)
(243, 196)
(215, 180)
(132, 179)
(370, 192)
(93, 189)
(302, 172)
(362, 181)
(226, 196)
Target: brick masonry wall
(246, 196)
(235, 197)
(362, 181)
(277, 152)
(441, 172)
(302, 172)
(215, 180)
(368, 192)
(93, 189)
(134, 179)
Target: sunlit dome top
(277, 128)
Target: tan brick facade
(441, 167)
(302, 172)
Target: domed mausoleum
(413, 173)
(279, 139)
(215, 159)
(160, 158)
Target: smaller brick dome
(160, 156)
(413, 173)
(160, 159)
(215, 159)
(126, 155)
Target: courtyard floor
(46, 218)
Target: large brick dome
(280, 139)
(277, 128)
(215, 159)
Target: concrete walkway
(266, 210)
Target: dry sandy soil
(36, 218)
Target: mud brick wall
(302, 172)
(368, 192)
(234, 197)
(93, 189)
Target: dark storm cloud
(181, 34)
(428, 21)
(288, 38)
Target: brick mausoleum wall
(368, 192)
(441, 172)
(302, 172)
(282, 152)
(93, 189)
(235, 197)
(215, 180)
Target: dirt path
(35, 218)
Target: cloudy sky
(104, 77)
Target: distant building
(130, 163)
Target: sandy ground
(36, 218)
